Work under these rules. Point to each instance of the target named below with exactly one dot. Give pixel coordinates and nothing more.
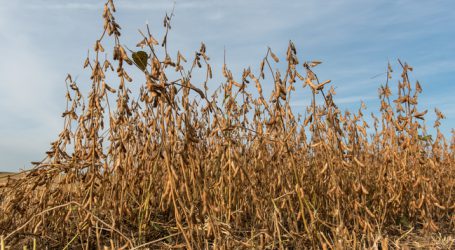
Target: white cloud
(122, 5)
(61, 6)
(337, 100)
(27, 99)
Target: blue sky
(43, 40)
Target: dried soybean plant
(177, 167)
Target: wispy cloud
(122, 5)
(63, 6)
(28, 102)
(341, 100)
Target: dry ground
(4, 177)
(413, 239)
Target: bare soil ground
(4, 177)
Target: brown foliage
(179, 168)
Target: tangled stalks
(178, 167)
